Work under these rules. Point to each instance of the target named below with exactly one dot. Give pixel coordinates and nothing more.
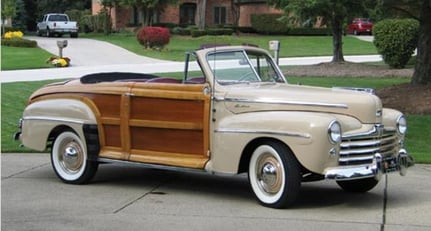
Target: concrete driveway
(133, 198)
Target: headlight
(402, 125)
(334, 132)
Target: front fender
(306, 134)
(41, 117)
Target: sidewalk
(133, 198)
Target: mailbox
(61, 44)
(274, 45)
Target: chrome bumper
(378, 167)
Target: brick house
(218, 12)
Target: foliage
(396, 40)
(260, 23)
(58, 61)
(309, 31)
(333, 13)
(153, 37)
(14, 39)
(217, 31)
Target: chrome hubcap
(269, 174)
(72, 157)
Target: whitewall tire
(274, 175)
(69, 159)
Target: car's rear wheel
(358, 186)
(274, 175)
(69, 159)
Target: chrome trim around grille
(360, 149)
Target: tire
(38, 32)
(69, 159)
(358, 186)
(274, 175)
(355, 32)
(74, 35)
(48, 32)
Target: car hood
(244, 98)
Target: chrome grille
(357, 150)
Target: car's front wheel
(274, 175)
(69, 159)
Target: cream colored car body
(236, 116)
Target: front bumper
(378, 167)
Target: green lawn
(291, 46)
(15, 58)
(417, 142)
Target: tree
(421, 11)
(333, 13)
(8, 11)
(201, 14)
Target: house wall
(121, 17)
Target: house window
(219, 15)
(187, 13)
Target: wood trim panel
(171, 159)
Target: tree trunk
(201, 14)
(422, 74)
(337, 39)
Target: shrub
(153, 37)
(309, 31)
(269, 24)
(14, 39)
(396, 40)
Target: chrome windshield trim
(266, 132)
(283, 102)
(47, 118)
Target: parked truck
(57, 24)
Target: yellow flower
(8, 35)
(62, 62)
(13, 34)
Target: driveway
(90, 52)
(133, 198)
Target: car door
(168, 124)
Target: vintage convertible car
(231, 112)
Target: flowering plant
(58, 61)
(153, 37)
(13, 34)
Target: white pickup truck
(57, 24)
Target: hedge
(396, 40)
(269, 24)
(18, 42)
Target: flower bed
(59, 62)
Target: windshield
(232, 67)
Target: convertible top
(114, 76)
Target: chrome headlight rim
(334, 132)
(401, 125)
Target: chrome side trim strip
(53, 119)
(282, 102)
(266, 132)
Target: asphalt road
(133, 198)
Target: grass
(417, 141)
(16, 58)
(291, 46)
